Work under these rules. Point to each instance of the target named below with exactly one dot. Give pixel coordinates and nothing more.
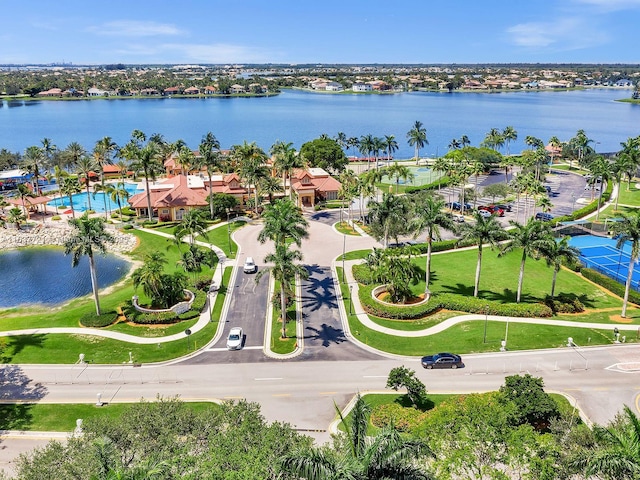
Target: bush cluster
(564, 304)
(392, 414)
(162, 318)
(98, 321)
(442, 182)
(587, 209)
(449, 301)
(610, 284)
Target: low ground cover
(221, 238)
(346, 229)
(281, 345)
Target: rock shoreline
(57, 234)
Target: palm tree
(628, 230)
(533, 142)
(16, 217)
(429, 217)
(107, 191)
(286, 159)
(555, 253)
(73, 153)
(24, 192)
(32, 159)
(192, 225)
(283, 221)
(454, 144)
(48, 150)
(353, 143)
(399, 172)
(600, 169)
(252, 160)
(386, 456)
(441, 165)
(89, 236)
(616, 454)
(284, 270)
(417, 138)
(341, 139)
(193, 258)
(149, 276)
(84, 168)
(269, 186)
(378, 146)
(389, 218)
(464, 141)
(509, 134)
(119, 193)
(103, 153)
(69, 187)
(483, 230)
(390, 145)
(476, 168)
(366, 146)
(211, 159)
(529, 237)
(494, 139)
(146, 159)
(348, 190)
(623, 165)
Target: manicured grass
(468, 337)
(60, 348)
(47, 417)
(356, 255)
(611, 212)
(221, 238)
(281, 345)
(630, 196)
(346, 229)
(414, 325)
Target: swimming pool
(99, 201)
(601, 254)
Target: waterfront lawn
(49, 417)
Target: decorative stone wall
(178, 308)
(383, 288)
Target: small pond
(45, 276)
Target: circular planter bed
(380, 294)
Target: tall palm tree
(555, 253)
(192, 225)
(348, 190)
(84, 168)
(211, 159)
(145, 159)
(386, 456)
(616, 453)
(441, 165)
(509, 134)
(390, 146)
(429, 218)
(149, 276)
(69, 187)
(529, 237)
(533, 142)
(476, 168)
(286, 159)
(378, 146)
(366, 146)
(353, 143)
(623, 165)
(119, 193)
(389, 218)
(89, 237)
(32, 160)
(269, 186)
(252, 166)
(48, 150)
(72, 154)
(464, 141)
(282, 222)
(600, 169)
(341, 139)
(628, 230)
(454, 144)
(417, 138)
(494, 139)
(103, 153)
(24, 192)
(482, 230)
(284, 270)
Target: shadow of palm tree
(327, 334)
(318, 290)
(14, 345)
(15, 385)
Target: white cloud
(219, 53)
(611, 5)
(133, 28)
(562, 34)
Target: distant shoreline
(136, 97)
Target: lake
(296, 116)
(33, 276)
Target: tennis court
(602, 255)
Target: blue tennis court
(602, 255)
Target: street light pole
(229, 233)
(344, 249)
(350, 299)
(486, 319)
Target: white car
(485, 213)
(249, 265)
(234, 340)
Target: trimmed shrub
(564, 304)
(442, 182)
(610, 284)
(98, 321)
(393, 414)
(56, 218)
(155, 318)
(128, 226)
(449, 301)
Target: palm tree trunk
(428, 266)
(553, 282)
(146, 183)
(94, 283)
(627, 286)
(88, 196)
(475, 291)
(599, 200)
(521, 276)
(210, 195)
(283, 308)
(256, 197)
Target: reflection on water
(45, 276)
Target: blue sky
(329, 31)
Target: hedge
(587, 209)
(610, 284)
(449, 301)
(564, 304)
(442, 182)
(98, 321)
(170, 317)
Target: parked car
(485, 213)
(544, 216)
(457, 217)
(234, 340)
(498, 210)
(442, 360)
(250, 266)
(505, 206)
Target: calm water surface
(45, 276)
(297, 117)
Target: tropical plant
(390, 146)
(103, 153)
(69, 187)
(16, 217)
(556, 253)
(509, 134)
(149, 276)
(600, 169)
(286, 159)
(89, 236)
(628, 230)
(494, 139)
(529, 237)
(429, 218)
(145, 159)
(386, 456)
(194, 258)
(192, 225)
(283, 222)
(252, 166)
(399, 172)
(85, 168)
(482, 230)
(403, 377)
(389, 218)
(211, 159)
(417, 138)
(24, 192)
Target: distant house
(149, 91)
(624, 82)
(229, 184)
(361, 87)
(380, 85)
(237, 89)
(333, 87)
(313, 185)
(191, 91)
(210, 90)
(96, 92)
(52, 92)
(172, 91)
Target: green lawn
(629, 197)
(356, 255)
(565, 166)
(47, 417)
(611, 212)
(281, 345)
(221, 238)
(346, 229)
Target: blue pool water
(83, 202)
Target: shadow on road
(326, 333)
(14, 386)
